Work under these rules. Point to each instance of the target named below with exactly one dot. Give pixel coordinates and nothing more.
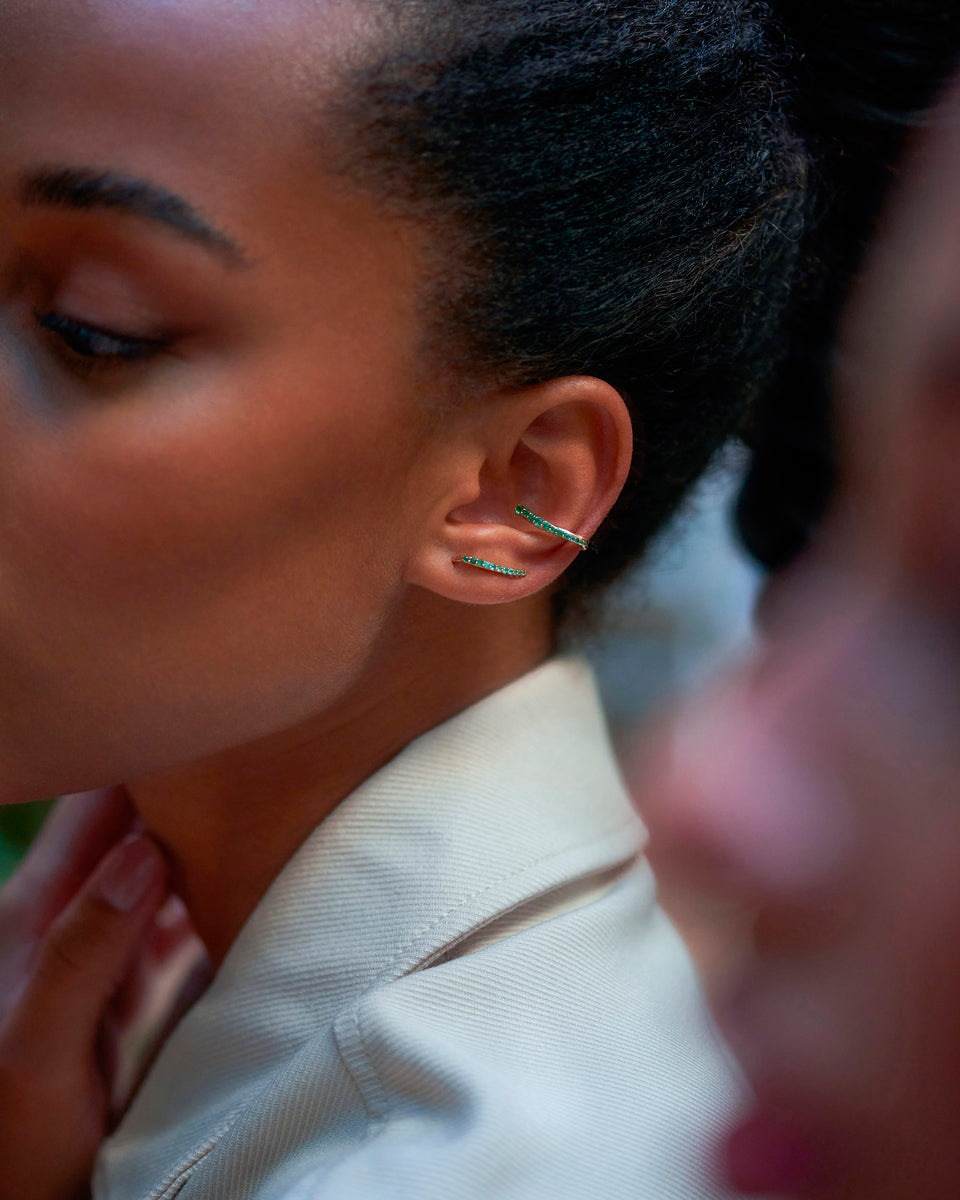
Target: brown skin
(65, 949)
(227, 571)
(245, 544)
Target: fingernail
(131, 871)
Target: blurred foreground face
(816, 796)
(821, 793)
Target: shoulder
(568, 1059)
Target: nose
(22, 384)
(8, 362)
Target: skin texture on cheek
(205, 549)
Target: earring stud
(495, 567)
(574, 538)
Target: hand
(73, 923)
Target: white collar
(515, 795)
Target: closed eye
(97, 345)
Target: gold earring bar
(540, 523)
(495, 567)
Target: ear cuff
(574, 538)
(547, 527)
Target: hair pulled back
(869, 71)
(628, 193)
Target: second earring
(513, 572)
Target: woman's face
(211, 450)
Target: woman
(307, 311)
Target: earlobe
(552, 461)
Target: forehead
(277, 37)
(217, 87)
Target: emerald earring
(574, 538)
(495, 567)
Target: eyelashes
(89, 347)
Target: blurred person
(813, 797)
(323, 326)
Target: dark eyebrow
(84, 190)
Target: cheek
(195, 572)
(145, 496)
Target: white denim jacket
(460, 988)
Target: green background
(18, 826)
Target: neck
(231, 822)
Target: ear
(560, 449)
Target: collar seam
(390, 972)
(348, 1033)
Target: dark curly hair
(869, 71)
(628, 190)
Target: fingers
(87, 953)
(75, 837)
(172, 929)
(161, 949)
(170, 971)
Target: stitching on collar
(388, 971)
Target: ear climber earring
(575, 539)
(495, 567)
